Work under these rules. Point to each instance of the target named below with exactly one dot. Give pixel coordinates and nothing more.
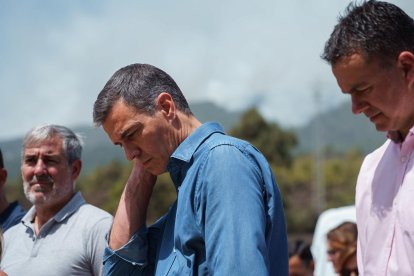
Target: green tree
(275, 144)
(103, 188)
(296, 183)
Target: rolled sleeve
(130, 259)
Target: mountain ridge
(337, 129)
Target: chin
(381, 127)
(36, 199)
(156, 172)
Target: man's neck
(188, 125)
(45, 212)
(395, 136)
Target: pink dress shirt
(385, 210)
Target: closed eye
(130, 133)
(362, 90)
(51, 161)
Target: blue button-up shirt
(228, 218)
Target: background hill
(337, 129)
(100, 151)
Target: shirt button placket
(35, 249)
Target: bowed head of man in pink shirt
(371, 53)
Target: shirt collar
(187, 148)
(181, 158)
(76, 201)
(396, 137)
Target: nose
(358, 106)
(131, 152)
(40, 167)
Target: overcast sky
(55, 56)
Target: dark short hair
(301, 249)
(138, 85)
(374, 29)
(1, 160)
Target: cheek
(27, 172)
(55, 173)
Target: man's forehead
(48, 146)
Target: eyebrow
(27, 156)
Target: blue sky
(57, 55)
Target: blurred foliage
(295, 176)
(275, 144)
(104, 187)
(14, 191)
(297, 184)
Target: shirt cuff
(134, 251)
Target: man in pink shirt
(371, 51)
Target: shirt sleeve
(138, 256)
(232, 211)
(96, 245)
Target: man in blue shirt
(10, 213)
(228, 218)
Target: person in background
(61, 234)
(300, 259)
(342, 248)
(10, 213)
(328, 220)
(371, 53)
(228, 218)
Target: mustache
(44, 178)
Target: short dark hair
(138, 85)
(374, 29)
(1, 160)
(301, 249)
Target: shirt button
(403, 159)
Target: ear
(76, 169)
(166, 105)
(406, 63)
(3, 177)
